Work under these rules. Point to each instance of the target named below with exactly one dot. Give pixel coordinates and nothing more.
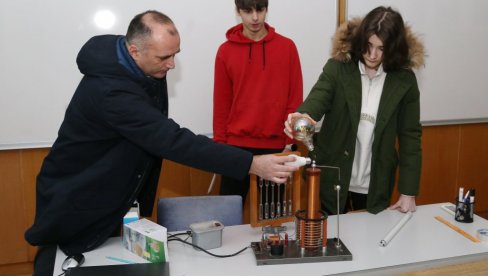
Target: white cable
(395, 230)
(449, 208)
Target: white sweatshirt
(371, 95)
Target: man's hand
(271, 167)
(291, 118)
(404, 204)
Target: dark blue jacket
(109, 151)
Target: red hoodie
(257, 84)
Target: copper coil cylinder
(311, 224)
(313, 183)
(311, 233)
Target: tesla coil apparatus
(311, 224)
(272, 204)
(311, 243)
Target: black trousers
(46, 257)
(44, 261)
(355, 202)
(231, 186)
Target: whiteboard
(40, 41)
(454, 83)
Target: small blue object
(120, 260)
(130, 217)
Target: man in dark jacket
(115, 133)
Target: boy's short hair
(248, 5)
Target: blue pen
(466, 198)
(120, 260)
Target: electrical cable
(174, 237)
(180, 234)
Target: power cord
(188, 233)
(173, 237)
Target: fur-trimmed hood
(341, 44)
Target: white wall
(41, 38)
(454, 82)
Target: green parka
(397, 136)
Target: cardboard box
(147, 240)
(131, 216)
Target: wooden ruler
(457, 229)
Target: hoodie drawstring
(264, 54)
(250, 53)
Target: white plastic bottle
(299, 161)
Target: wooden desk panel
(453, 155)
(479, 268)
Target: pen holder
(464, 211)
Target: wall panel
(12, 209)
